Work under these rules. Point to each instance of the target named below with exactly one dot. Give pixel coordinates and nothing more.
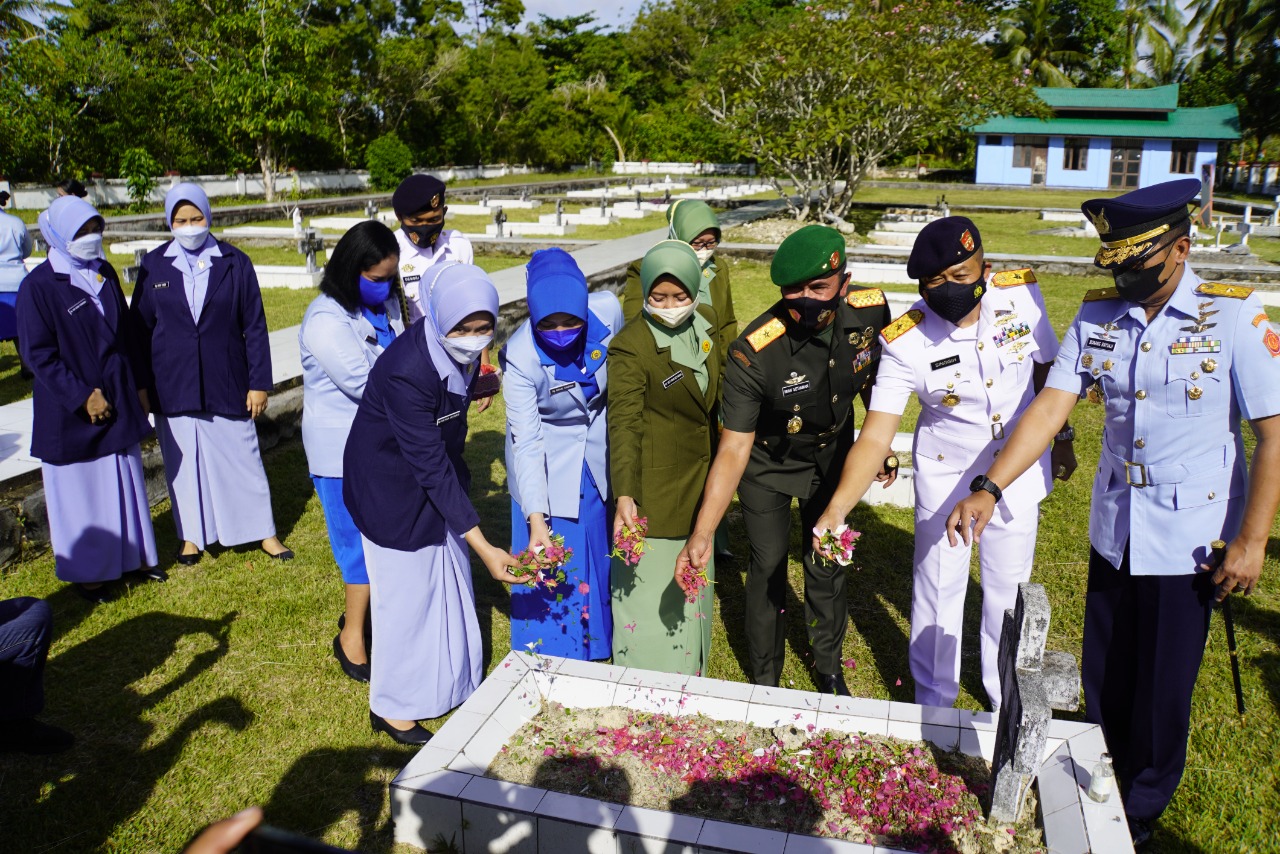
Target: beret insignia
(435, 201)
(1101, 293)
(966, 240)
(903, 324)
(1013, 278)
(865, 298)
(1220, 289)
(834, 261)
(766, 335)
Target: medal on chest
(794, 425)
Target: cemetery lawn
(193, 699)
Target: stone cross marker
(499, 219)
(1032, 683)
(310, 244)
(559, 211)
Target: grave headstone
(1032, 684)
(131, 272)
(484, 199)
(604, 201)
(310, 244)
(638, 200)
(559, 211)
(297, 222)
(524, 194)
(666, 195)
(371, 209)
(499, 219)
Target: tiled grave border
(442, 795)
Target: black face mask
(812, 314)
(952, 300)
(1140, 284)
(423, 235)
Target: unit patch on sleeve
(902, 325)
(766, 335)
(1272, 342)
(1260, 318)
(865, 298)
(1013, 278)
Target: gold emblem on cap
(834, 260)
(950, 399)
(1195, 392)
(794, 425)
(1099, 219)
(1209, 365)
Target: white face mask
(191, 237)
(672, 317)
(87, 248)
(704, 255)
(466, 349)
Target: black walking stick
(1219, 548)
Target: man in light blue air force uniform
(1177, 362)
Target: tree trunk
(622, 154)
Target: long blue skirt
(344, 536)
(575, 619)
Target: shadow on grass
(492, 501)
(111, 680)
(880, 590)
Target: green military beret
(813, 251)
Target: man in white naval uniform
(975, 349)
(424, 242)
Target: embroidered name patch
(409, 280)
(449, 417)
(863, 359)
(788, 390)
(1100, 343)
(158, 285)
(1195, 344)
(673, 379)
(944, 363)
(77, 306)
(1008, 334)
(560, 388)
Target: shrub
(389, 162)
(139, 170)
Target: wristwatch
(982, 482)
(1067, 434)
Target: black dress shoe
(358, 672)
(1140, 831)
(150, 573)
(724, 555)
(415, 735)
(833, 684)
(96, 595)
(188, 560)
(29, 735)
(283, 556)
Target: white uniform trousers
(940, 580)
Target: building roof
(1210, 123)
(1158, 99)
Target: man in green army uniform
(789, 388)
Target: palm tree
(21, 20)
(1156, 25)
(1030, 40)
(1221, 22)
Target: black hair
(72, 187)
(365, 245)
(4, 198)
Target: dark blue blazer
(210, 366)
(404, 479)
(72, 349)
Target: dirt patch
(874, 790)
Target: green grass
(217, 690)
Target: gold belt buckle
(1128, 473)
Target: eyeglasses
(711, 243)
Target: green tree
(1032, 40)
(824, 100)
(23, 20)
(1220, 24)
(389, 162)
(1154, 25)
(140, 171)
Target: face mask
(374, 294)
(559, 340)
(424, 235)
(466, 349)
(952, 300)
(1141, 284)
(191, 237)
(812, 313)
(87, 248)
(704, 255)
(672, 317)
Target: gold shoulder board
(766, 335)
(865, 298)
(1101, 293)
(1013, 278)
(1221, 289)
(902, 325)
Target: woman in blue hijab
(556, 388)
(90, 401)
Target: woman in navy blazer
(405, 483)
(90, 405)
(345, 329)
(204, 336)
(556, 387)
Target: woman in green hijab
(664, 381)
(694, 222)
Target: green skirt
(654, 628)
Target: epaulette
(865, 298)
(902, 325)
(1101, 293)
(767, 334)
(1013, 278)
(1221, 289)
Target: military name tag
(158, 285)
(1194, 344)
(673, 379)
(449, 417)
(803, 385)
(1100, 343)
(944, 363)
(560, 388)
(369, 339)
(77, 306)
(409, 280)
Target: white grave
(524, 229)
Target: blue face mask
(560, 340)
(374, 294)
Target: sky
(611, 13)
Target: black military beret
(942, 244)
(419, 192)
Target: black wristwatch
(982, 482)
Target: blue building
(1102, 139)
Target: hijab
(687, 218)
(556, 285)
(455, 291)
(690, 344)
(65, 216)
(193, 194)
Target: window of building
(995, 140)
(1026, 149)
(1075, 154)
(1183, 157)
